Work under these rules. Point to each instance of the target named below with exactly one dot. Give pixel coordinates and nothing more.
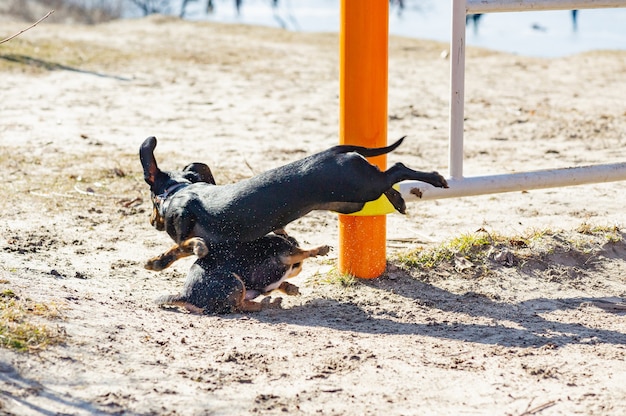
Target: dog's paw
(269, 303)
(323, 250)
(156, 264)
(276, 303)
(395, 198)
(200, 249)
(289, 289)
(440, 181)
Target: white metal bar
(512, 182)
(493, 6)
(481, 185)
(457, 87)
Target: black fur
(232, 274)
(338, 179)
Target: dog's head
(164, 183)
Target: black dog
(340, 179)
(232, 274)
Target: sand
(542, 334)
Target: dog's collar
(161, 199)
(172, 190)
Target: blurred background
(543, 34)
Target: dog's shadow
(442, 314)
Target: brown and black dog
(196, 213)
(231, 275)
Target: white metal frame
(480, 185)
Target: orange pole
(363, 121)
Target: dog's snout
(156, 220)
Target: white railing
(493, 6)
(461, 186)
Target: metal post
(457, 86)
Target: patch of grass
(20, 328)
(481, 249)
(333, 277)
(611, 233)
(472, 247)
(7, 293)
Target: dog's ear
(200, 173)
(146, 155)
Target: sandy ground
(76, 102)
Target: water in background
(546, 34)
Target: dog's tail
(371, 151)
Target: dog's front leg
(194, 245)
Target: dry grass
(23, 55)
(484, 250)
(21, 326)
(334, 277)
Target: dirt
(543, 333)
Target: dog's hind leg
(194, 245)
(246, 305)
(298, 254)
(396, 200)
(398, 173)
